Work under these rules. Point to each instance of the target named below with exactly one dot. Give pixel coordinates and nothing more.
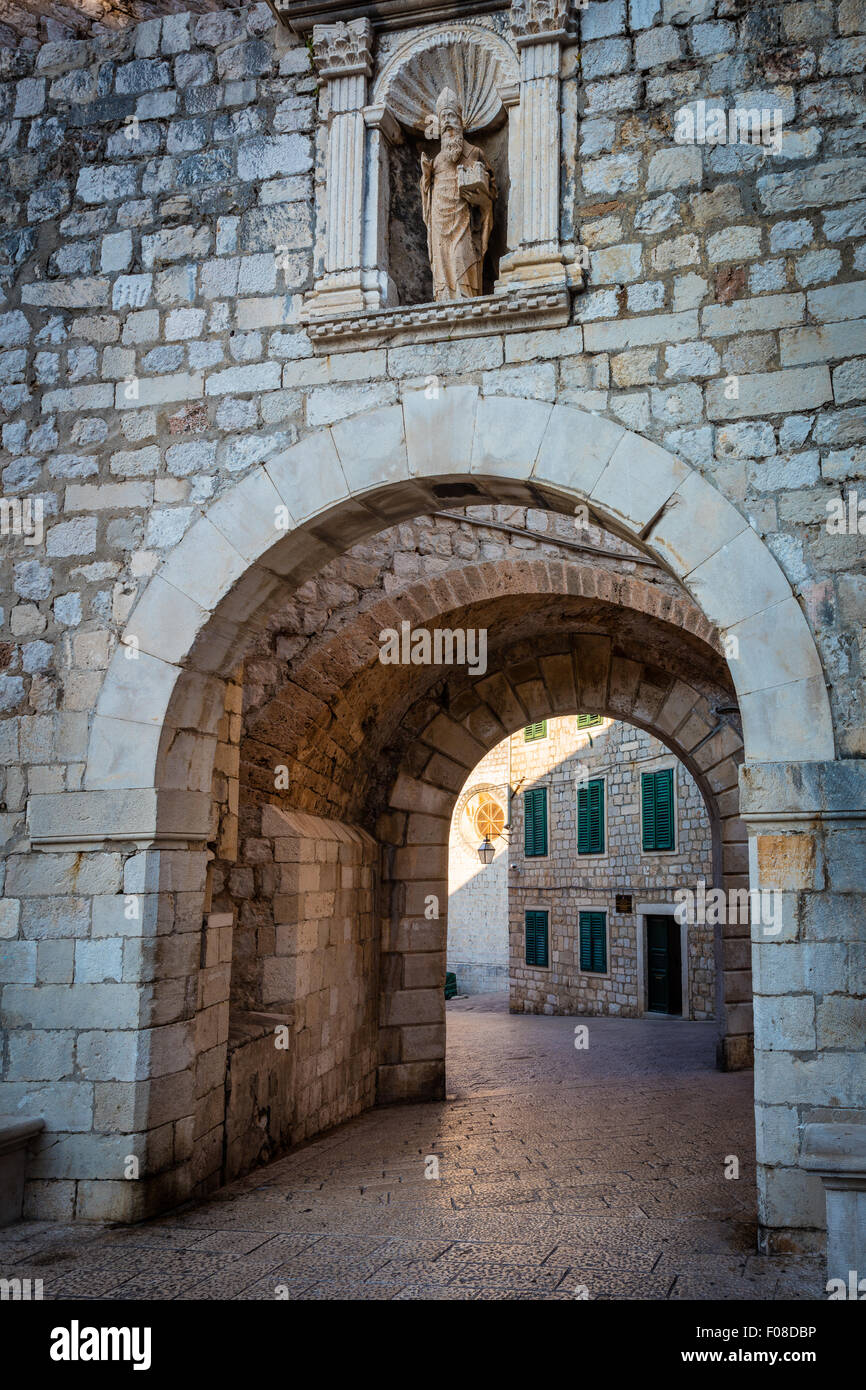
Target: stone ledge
(820, 791)
(301, 15)
(524, 310)
(84, 820)
(248, 1025)
(835, 1149)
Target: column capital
(344, 49)
(543, 21)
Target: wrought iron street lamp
(486, 851)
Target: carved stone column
(344, 57)
(383, 131)
(541, 29)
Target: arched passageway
(396, 764)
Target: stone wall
(158, 199)
(305, 945)
(260, 1091)
(566, 883)
(486, 906)
(154, 353)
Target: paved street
(563, 1173)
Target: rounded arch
(342, 483)
(390, 748)
(471, 59)
(338, 694)
(578, 671)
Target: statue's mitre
(448, 105)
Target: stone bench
(15, 1137)
(837, 1153)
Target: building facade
(223, 382)
(575, 914)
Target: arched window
(488, 817)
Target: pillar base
(837, 1153)
(411, 1081)
(782, 1240)
(541, 267)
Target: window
(536, 937)
(593, 942)
(589, 721)
(533, 732)
(590, 817)
(657, 809)
(488, 818)
(535, 822)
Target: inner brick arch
(391, 747)
(342, 688)
(582, 671)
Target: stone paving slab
(597, 1174)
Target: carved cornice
(543, 21)
(303, 15)
(430, 323)
(342, 50)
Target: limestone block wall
(260, 1092)
(566, 883)
(304, 896)
(157, 197)
(159, 214)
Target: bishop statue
(458, 190)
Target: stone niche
(379, 118)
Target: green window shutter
(533, 732)
(536, 937)
(590, 817)
(535, 822)
(657, 806)
(596, 817)
(648, 810)
(593, 942)
(665, 808)
(588, 721)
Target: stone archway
(191, 625)
(580, 636)
(342, 483)
(580, 671)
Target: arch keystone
(440, 429)
(508, 435)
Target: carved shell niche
(475, 63)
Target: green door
(664, 987)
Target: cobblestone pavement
(560, 1170)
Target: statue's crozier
(458, 190)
